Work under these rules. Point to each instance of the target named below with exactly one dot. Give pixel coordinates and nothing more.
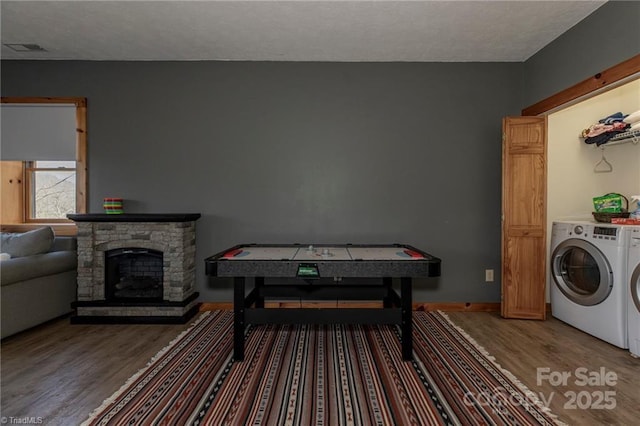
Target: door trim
(601, 80)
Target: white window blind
(38, 132)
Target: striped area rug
(322, 375)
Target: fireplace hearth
(136, 268)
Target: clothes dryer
(633, 306)
(589, 270)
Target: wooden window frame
(61, 226)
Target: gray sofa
(38, 281)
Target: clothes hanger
(603, 166)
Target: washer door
(635, 287)
(581, 272)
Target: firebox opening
(133, 274)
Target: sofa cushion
(27, 243)
(25, 268)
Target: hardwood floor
(61, 372)
(523, 346)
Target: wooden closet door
(524, 181)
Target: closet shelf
(627, 137)
(632, 136)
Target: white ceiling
(272, 30)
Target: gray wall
(322, 152)
(301, 152)
(605, 38)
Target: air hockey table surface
(330, 260)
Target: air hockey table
(322, 272)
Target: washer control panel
(605, 233)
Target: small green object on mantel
(113, 206)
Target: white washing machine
(633, 307)
(589, 271)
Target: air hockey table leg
(407, 324)
(238, 318)
(259, 285)
(386, 300)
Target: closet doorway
(514, 295)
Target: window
(50, 190)
(43, 188)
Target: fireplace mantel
(135, 217)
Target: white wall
(571, 180)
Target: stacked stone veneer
(177, 242)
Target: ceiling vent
(25, 47)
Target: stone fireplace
(136, 268)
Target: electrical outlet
(488, 275)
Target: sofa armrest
(64, 244)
